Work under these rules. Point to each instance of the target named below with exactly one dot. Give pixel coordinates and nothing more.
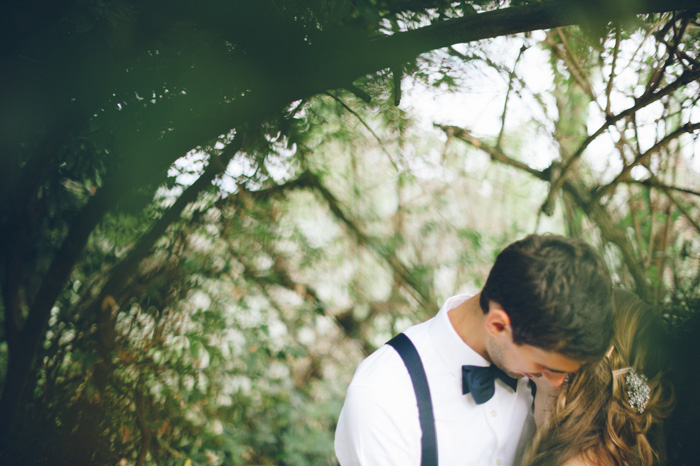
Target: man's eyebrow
(554, 370)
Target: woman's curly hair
(592, 416)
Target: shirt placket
(496, 415)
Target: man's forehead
(553, 361)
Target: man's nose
(555, 379)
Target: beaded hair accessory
(638, 391)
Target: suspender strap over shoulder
(403, 345)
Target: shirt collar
(452, 349)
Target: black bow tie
(479, 381)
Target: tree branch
(685, 78)
(513, 20)
(580, 196)
(495, 153)
(339, 58)
(652, 182)
(680, 206)
(124, 270)
(21, 362)
(671, 52)
(126, 267)
(605, 190)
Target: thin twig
(635, 222)
(654, 183)
(678, 204)
(661, 258)
(616, 53)
(501, 69)
(511, 76)
(635, 127)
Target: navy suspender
(411, 359)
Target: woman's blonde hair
(592, 415)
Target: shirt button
(494, 413)
(498, 461)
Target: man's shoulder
(383, 374)
(382, 366)
(379, 420)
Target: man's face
(529, 361)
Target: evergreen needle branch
(410, 283)
(631, 202)
(103, 306)
(573, 65)
(282, 276)
(124, 270)
(366, 125)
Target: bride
(609, 413)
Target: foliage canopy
(210, 210)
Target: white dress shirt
(379, 425)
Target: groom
(437, 391)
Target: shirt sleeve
(375, 430)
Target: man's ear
(497, 320)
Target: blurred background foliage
(212, 211)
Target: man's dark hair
(557, 293)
